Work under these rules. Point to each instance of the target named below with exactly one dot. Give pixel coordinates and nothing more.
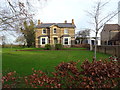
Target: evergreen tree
(29, 33)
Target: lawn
(23, 61)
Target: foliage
(48, 47)
(58, 46)
(10, 80)
(95, 74)
(29, 33)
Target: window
(43, 40)
(44, 31)
(65, 31)
(54, 30)
(66, 41)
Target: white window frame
(69, 40)
(46, 40)
(53, 30)
(66, 31)
(43, 32)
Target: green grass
(23, 61)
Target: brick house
(110, 34)
(53, 33)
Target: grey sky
(60, 10)
(57, 11)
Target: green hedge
(48, 47)
(58, 46)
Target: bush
(95, 74)
(47, 47)
(58, 46)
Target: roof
(43, 36)
(65, 36)
(109, 27)
(62, 25)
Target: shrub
(11, 80)
(47, 47)
(58, 46)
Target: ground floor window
(43, 40)
(66, 41)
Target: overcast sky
(57, 11)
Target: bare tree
(21, 40)
(98, 20)
(13, 13)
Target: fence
(107, 49)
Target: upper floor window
(54, 30)
(65, 31)
(44, 31)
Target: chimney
(72, 21)
(65, 21)
(38, 22)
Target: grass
(23, 61)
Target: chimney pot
(38, 22)
(65, 21)
(72, 21)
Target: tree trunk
(95, 46)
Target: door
(55, 40)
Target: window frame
(44, 41)
(66, 31)
(54, 31)
(41, 40)
(66, 41)
(43, 31)
(69, 40)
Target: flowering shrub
(114, 58)
(101, 74)
(95, 74)
(10, 80)
(40, 79)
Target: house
(53, 33)
(110, 34)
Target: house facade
(110, 35)
(55, 33)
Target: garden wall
(112, 50)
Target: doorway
(55, 40)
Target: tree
(21, 40)
(99, 20)
(13, 13)
(82, 35)
(3, 41)
(29, 33)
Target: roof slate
(109, 27)
(61, 25)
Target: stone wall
(107, 49)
